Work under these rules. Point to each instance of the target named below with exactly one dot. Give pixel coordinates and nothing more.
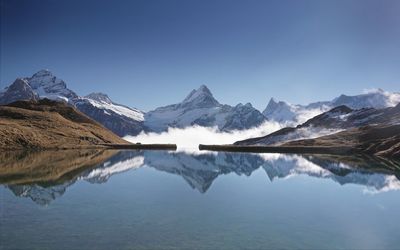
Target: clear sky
(151, 53)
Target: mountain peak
(98, 96)
(19, 90)
(204, 88)
(18, 84)
(274, 104)
(201, 91)
(42, 72)
(272, 100)
(44, 78)
(202, 97)
(247, 105)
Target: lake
(109, 199)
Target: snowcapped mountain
(373, 99)
(281, 111)
(198, 108)
(120, 119)
(46, 85)
(330, 122)
(19, 90)
(201, 108)
(296, 114)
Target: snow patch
(119, 109)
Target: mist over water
(188, 139)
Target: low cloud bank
(191, 137)
(306, 114)
(392, 98)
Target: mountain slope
(46, 85)
(17, 91)
(284, 112)
(49, 124)
(332, 121)
(281, 111)
(380, 140)
(201, 108)
(120, 119)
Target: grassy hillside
(49, 124)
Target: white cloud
(188, 139)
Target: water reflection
(45, 176)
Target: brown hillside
(381, 140)
(47, 124)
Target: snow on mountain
(46, 85)
(330, 122)
(372, 99)
(201, 108)
(281, 111)
(120, 119)
(198, 108)
(42, 84)
(102, 101)
(19, 90)
(296, 114)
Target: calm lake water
(174, 200)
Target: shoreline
(99, 146)
(281, 149)
(143, 146)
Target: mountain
(296, 114)
(330, 122)
(47, 124)
(201, 108)
(19, 90)
(120, 119)
(46, 85)
(375, 99)
(281, 111)
(381, 140)
(198, 108)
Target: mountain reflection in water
(45, 176)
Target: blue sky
(151, 53)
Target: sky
(150, 53)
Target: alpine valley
(200, 107)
